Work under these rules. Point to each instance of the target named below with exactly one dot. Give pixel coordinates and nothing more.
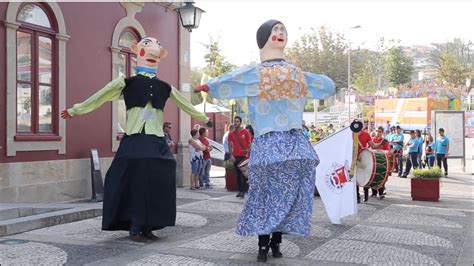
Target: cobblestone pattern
(320, 215)
(31, 254)
(212, 206)
(350, 251)
(90, 229)
(389, 217)
(415, 209)
(166, 259)
(229, 241)
(187, 194)
(392, 235)
(319, 231)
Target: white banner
(336, 188)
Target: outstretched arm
(319, 86)
(237, 84)
(184, 104)
(110, 92)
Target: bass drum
(372, 168)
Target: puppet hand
(209, 123)
(65, 114)
(201, 88)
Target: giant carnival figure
(140, 189)
(282, 165)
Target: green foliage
(454, 61)
(398, 67)
(321, 52)
(216, 63)
(434, 172)
(366, 67)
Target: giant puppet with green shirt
(140, 185)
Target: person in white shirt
(195, 156)
(225, 141)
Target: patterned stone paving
(392, 235)
(350, 251)
(90, 230)
(229, 241)
(187, 194)
(319, 231)
(212, 206)
(379, 234)
(166, 259)
(401, 208)
(388, 217)
(31, 254)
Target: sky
(413, 22)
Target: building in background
(55, 54)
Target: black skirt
(140, 185)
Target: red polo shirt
(364, 138)
(240, 142)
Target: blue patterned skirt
(282, 171)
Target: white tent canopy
(211, 108)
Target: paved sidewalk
(395, 230)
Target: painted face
(278, 38)
(149, 52)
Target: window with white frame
(36, 87)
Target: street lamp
(349, 67)
(190, 15)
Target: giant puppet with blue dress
(282, 161)
(140, 185)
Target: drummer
(385, 146)
(365, 141)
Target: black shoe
(366, 198)
(240, 195)
(445, 174)
(262, 254)
(381, 197)
(358, 200)
(150, 236)
(403, 176)
(276, 250)
(139, 238)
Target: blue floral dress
(282, 166)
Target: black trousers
(264, 240)
(379, 191)
(442, 158)
(399, 162)
(241, 182)
(412, 160)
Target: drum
(391, 161)
(243, 165)
(372, 168)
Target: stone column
(183, 169)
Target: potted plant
(425, 184)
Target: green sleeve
(110, 92)
(185, 105)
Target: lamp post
(190, 15)
(349, 68)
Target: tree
(454, 62)
(216, 63)
(366, 67)
(321, 52)
(398, 66)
